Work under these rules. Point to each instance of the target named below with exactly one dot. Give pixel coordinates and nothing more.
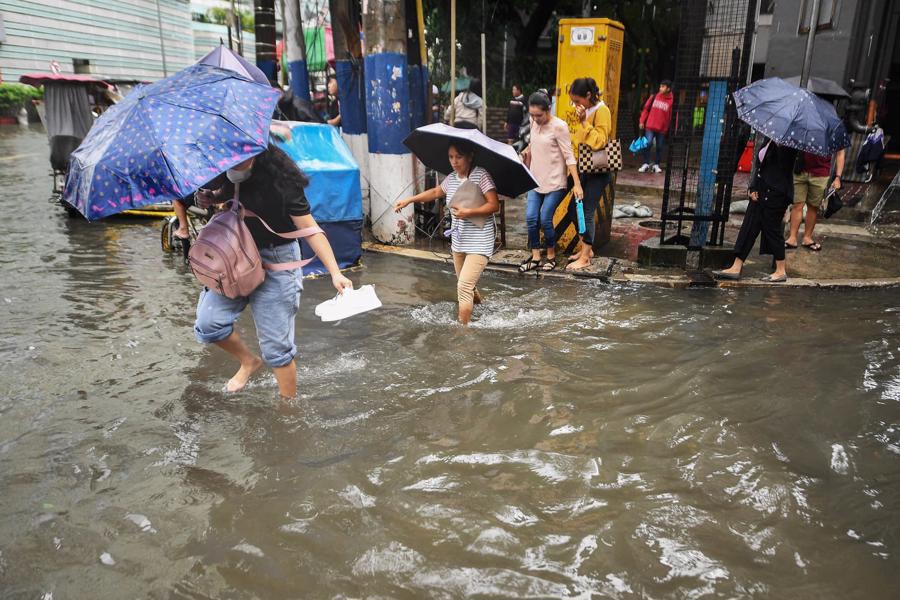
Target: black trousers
(593, 185)
(765, 216)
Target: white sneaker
(644, 168)
(349, 303)
(656, 169)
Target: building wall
(763, 35)
(120, 38)
(787, 45)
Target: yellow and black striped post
(565, 222)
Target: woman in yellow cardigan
(592, 128)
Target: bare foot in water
(240, 379)
(477, 299)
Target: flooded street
(581, 440)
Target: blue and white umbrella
(791, 116)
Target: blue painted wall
(299, 78)
(418, 95)
(387, 102)
(269, 67)
(352, 96)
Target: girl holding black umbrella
(472, 225)
(473, 161)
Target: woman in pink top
(550, 157)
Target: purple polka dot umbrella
(166, 139)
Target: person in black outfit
(271, 185)
(293, 108)
(334, 105)
(515, 114)
(771, 193)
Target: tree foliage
(15, 95)
(220, 16)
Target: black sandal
(549, 265)
(529, 265)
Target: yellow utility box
(587, 48)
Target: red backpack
(225, 258)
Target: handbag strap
(289, 235)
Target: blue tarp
(333, 192)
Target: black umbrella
(430, 143)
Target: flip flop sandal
(790, 246)
(814, 247)
(571, 269)
(529, 265)
(770, 279)
(549, 265)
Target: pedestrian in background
(654, 122)
(810, 186)
(468, 107)
(549, 156)
(435, 104)
(771, 193)
(515, 114)
(592, 128)
(334, 105)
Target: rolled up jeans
(539, 215)
(274, 305)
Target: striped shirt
(468, 237)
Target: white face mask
(235, 176)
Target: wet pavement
(580, 440)
(850, 252)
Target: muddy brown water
(579, 441)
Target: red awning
(42, 78)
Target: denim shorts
(274, 305)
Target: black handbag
(833, 203)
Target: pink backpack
(225, 258)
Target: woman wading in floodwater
(271, 185)
(473, 230)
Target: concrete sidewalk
(851, 256)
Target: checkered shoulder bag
(605, 160)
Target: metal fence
(705, 137)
